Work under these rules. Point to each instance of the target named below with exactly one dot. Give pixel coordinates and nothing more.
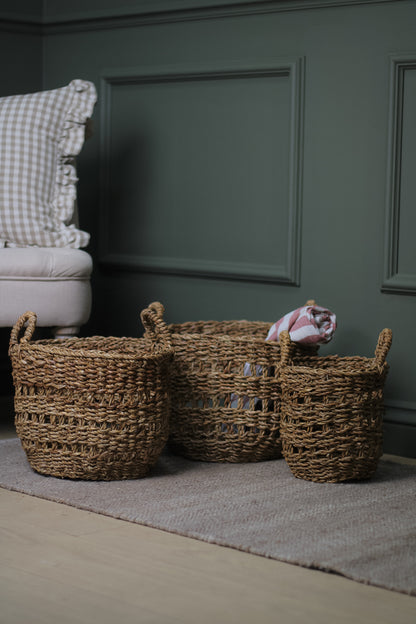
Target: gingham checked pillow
(40, 135)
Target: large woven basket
(220, 413)
(90, 408)
(332, 413)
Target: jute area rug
(365, 531)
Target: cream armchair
(42, 265)
(52, 282)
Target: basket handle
(286, 348)
(157, 308)
(152, 319)
(383, 346)
(28, 317)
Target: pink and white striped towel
(310, 324)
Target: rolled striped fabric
(310, 324)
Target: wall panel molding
(286, 271)
(68, 20)
(396, 280)
(169, 11)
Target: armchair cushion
(53, 282)
(40, 136)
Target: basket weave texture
(90, 408)
(219, 413)
(332, 413)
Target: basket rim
(265, 324)
(224, 338)
(238, 340)
(174, 330)
(321, 365)
(55, 347)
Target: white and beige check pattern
(40, 135)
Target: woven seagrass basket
(225, 389)
(90, 408)
(332, 413)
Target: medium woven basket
(220, 413)
(332, 413)
(90, 408)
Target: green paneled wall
(181, 127)
(248, 157)
(29, 11)
(21, 65)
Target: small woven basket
(220, 412)
(332, 409)
(90, 408)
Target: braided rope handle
(28, 317)
(158, 308)
(286, 348)
(155, 326)
(383, 346)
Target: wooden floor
(62, 565)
